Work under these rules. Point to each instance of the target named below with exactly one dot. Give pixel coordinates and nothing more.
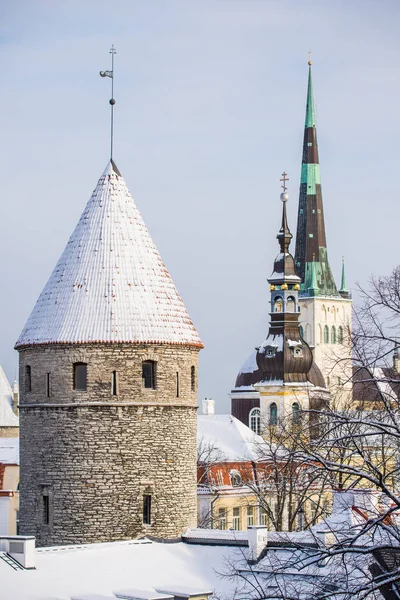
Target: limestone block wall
(88, 458)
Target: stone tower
(108, 387)
(325, 311)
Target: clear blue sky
(210, 110)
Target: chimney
(208, 406)
(21, 548)
(258, 538)
(396, 361)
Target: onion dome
(110, 284)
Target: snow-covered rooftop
(7, 416)
(110, 284)
(230, 438)
(9, 451)
(104, 569)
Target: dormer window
(236, 479)
(298, 351)
(270, 351)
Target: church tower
(325, 315)
(108, 383)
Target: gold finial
(309, 59)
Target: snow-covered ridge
(110, 284)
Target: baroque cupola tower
(108, 378)
(281, 377)
(325, 311)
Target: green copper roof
(310, 110)
(343, 286)
(310, 174)
(313, 287)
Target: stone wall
(94, 455)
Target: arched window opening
(326, 334)
(149, 374)
(278, 304)
(340, 335)
(193, 378)
(323, 312)
(290, 304)
(255, 420)
(273, 414)
(80, 376)
(308, 333)
(301, 331)
(236, 478)
(296, 415)
(333, 309)
(333, 335)
(320, 334)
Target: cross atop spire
(284, 179)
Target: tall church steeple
(311, 256)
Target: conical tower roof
(311, 244)
(7, 416)
(110, 284)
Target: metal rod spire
(112, 101)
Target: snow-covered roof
(230, 438)
(9, 451)
(104, 569)
(7, 416)
(110, 284)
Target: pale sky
(210, 101)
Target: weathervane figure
(112, 101)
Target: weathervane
(309, 59)
(285, 178)
(112, 101)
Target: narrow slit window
(114, 383)
(177, 385)
(48, 385)
(80, 377)
(149, 374)
(28, 379)
(147, 509)
(193, 378)
(46, 509)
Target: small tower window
(48, 385)
(114, 383)
(290, 304)
(149, 374)
(177, 385)
(340, 335)
(326, 334)
(28, 378)
(80, 377)
(147, 509)
(255, 420)
(278, 304)
(273, 414)
(333, 335)
(193, 378)
(296, 413)
(46, 509)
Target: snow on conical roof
(110, 284)
(7, 416)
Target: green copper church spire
(311, 239)
(313, 289)
(344, 292)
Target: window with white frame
(273, 414)
(263, 516)
(222, 518)
(255, 420)
(250, 516)
(236, 518)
